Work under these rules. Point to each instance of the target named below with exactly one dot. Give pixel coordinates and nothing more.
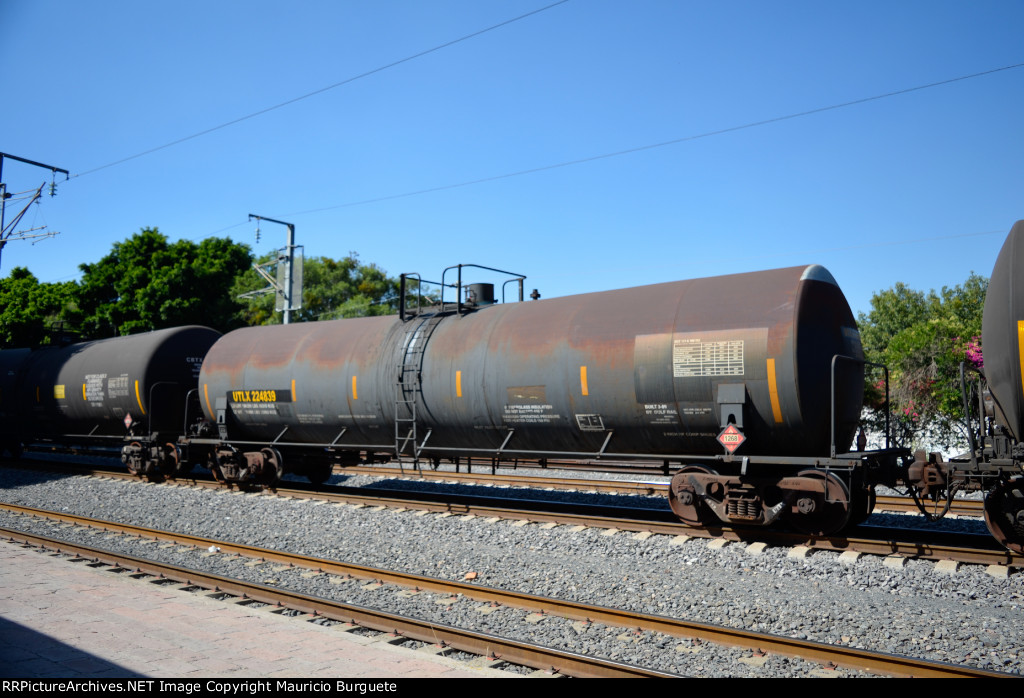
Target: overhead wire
(650, 146)
(661, 144)
(322, 89)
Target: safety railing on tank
(459, 306)
(459, 286)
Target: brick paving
(68, 620)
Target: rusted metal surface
(314, 378)
(649, 370)
(815, 502)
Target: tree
(29, 308)
(331, 289)
(923, 339)
(147, 283)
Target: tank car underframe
(995, 461)
(819, 496)
(815, 502)
(152, 456)
(263, 467)
(153, 459)
(1003, 480)
(1004, 512)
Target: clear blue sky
(919, 187)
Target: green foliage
(331, 289)
(147, 283)
(28, 308)
(922, 339)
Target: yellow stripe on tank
(206, 394)
(1020, 349)
(138, 398)
(583, 380)
(458, 384)
(773, 392)
(355, 393)
(293, 390)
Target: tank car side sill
(66, 439)
(840, 462)
(293, 444)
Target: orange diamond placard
(731, 438)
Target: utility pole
(288, 284)
(6, 231)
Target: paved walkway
(68, 620)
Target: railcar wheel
(824, 511)
(1004, 514)
(171, 463)
(218, 475)
(687, 500)
(318, 474)
(275, 466)
(862, 505)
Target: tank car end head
(1003, 331)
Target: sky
(587, 144)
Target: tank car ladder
(408, 388)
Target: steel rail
(514, 480)
(841, 656)
(483, 644)
(886, 546)
(962, 507)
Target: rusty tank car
(693, 373)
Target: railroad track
(960, 507)
(478, 643)
(897, 543)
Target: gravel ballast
(968, 617)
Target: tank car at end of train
(129, 393)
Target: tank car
(995, 461)
(732, 380)
(993, 416)
(125, 391)
(11, 411)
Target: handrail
(862, 362)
